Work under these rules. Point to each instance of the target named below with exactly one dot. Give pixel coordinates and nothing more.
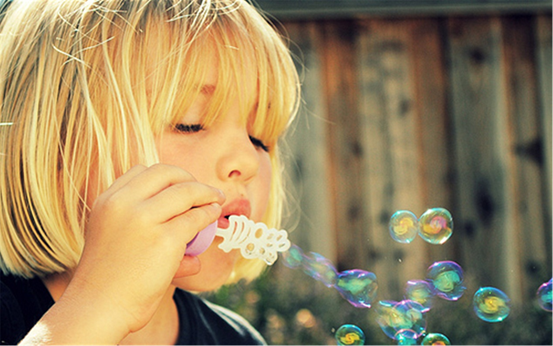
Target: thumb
(189, 265)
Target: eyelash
(258, 143)
(185, 128)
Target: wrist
(80, 316)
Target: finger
(125, 178)
(186, 225)
(154, 179)
(179, 198)
(189, 265)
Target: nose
(240, 158)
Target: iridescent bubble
(491, 304)
(435, 339)
(358, 287)
(319, 268)
(403, 226)
(544, 295)
(406, 337)
(447, 279)
(293, 257)
(420, 291)
(409, 315)
(385, 316)
(436, 225)
(350, 334)
(406, 316)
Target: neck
(163, 328)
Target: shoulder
(12, 328)
(237, 322)
(214, 324)
(23, 302)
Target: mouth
(223, 222)
(235, 207)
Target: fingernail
(216, 205)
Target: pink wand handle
(202, 240)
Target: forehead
(215, 63)
(224, 72)
(229, 61)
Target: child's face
(226, 157)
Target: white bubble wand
(254, 239)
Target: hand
(136, 239)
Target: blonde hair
(82, 82)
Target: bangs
(251, 66)
(93, 83)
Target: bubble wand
(254, 239)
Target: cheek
(192, 157)
(263, 188)
(92, 188)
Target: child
(128, 126)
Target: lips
(239, 206)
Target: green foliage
(290, 308)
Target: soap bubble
(435, 339)
(350, 334)
(406, 316)
(319, 268)
(544, 295)
(436, 225)
(420, 291)
(358, 287)
(406, 337)
(385, 316)
(410, 316)
(491, 304)
(403, 226)
(293, 257)
(447, 279)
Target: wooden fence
(411, 113)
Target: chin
(216, 267)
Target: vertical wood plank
(485, 206)
(345, 172)
(403, 113)
(433, 125)
(543, 62)
(394, 119)
(526, 162)
(307, 160)
(391, 159)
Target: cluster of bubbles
(350, 334)
(405, 321)
(401, 320)
(357, 286)
(435, 226)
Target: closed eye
(258, 143)
(188, 128)
(193, 128)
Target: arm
(134, 245)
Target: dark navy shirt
(24, 301)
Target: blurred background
(410, 105)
